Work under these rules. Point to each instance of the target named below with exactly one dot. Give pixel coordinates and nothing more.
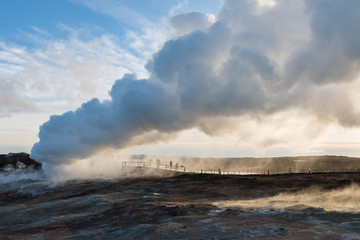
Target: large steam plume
(251, 61)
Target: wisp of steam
(345, 199)
(250, 61)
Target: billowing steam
(340, 200)
(251, 61)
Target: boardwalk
(175, 167)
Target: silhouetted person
(170, 164)
(150, 162)
(176, 166)
(157, 163)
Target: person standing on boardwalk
(157, 163)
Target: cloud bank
(252, 61)
(63, 70)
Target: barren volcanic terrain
(185, 206)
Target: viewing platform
(172, 167)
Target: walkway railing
(181, 168)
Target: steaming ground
(184, 206)
(345, 199)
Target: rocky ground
(13, 161)
(187, 206)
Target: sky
(204, 78)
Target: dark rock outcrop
(18, 161)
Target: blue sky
(29, 23)
(98, 17)
(18, 17)
(124, 32)
(55, 55)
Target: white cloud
(143, 36)
(118, 11)
(58, 74)
(54, 77)
(188, 22)
(270, 79)
(178, 9)
(229, 69)
(65, 69)
(11, 100)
